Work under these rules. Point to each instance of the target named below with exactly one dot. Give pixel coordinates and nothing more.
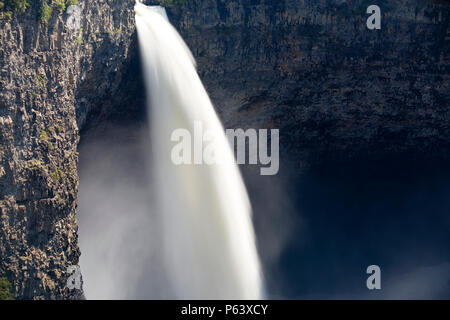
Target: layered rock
(52, 76)
(314, 70)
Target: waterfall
(208, 238)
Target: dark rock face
(310, 68)
(314, 70)
(53, 78)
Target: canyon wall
(314, 70)
(53, 76)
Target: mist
(117, 227)
(391, 211)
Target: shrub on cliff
(18, 5)
(45, 7)
(168, 3)
(46, 12)
(5, 290)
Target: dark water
(394, 213)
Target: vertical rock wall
(52, 76)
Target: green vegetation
(19, 6)
(43, 137)
(60, 5)
(71, 3)
(34, 163)
(80, 37)
(42, 79)
(45, 10)
(6, 290)
(37, 166)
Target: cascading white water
(209, 244)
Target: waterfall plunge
(208, 238)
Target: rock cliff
(54, 75)
(314, 69)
